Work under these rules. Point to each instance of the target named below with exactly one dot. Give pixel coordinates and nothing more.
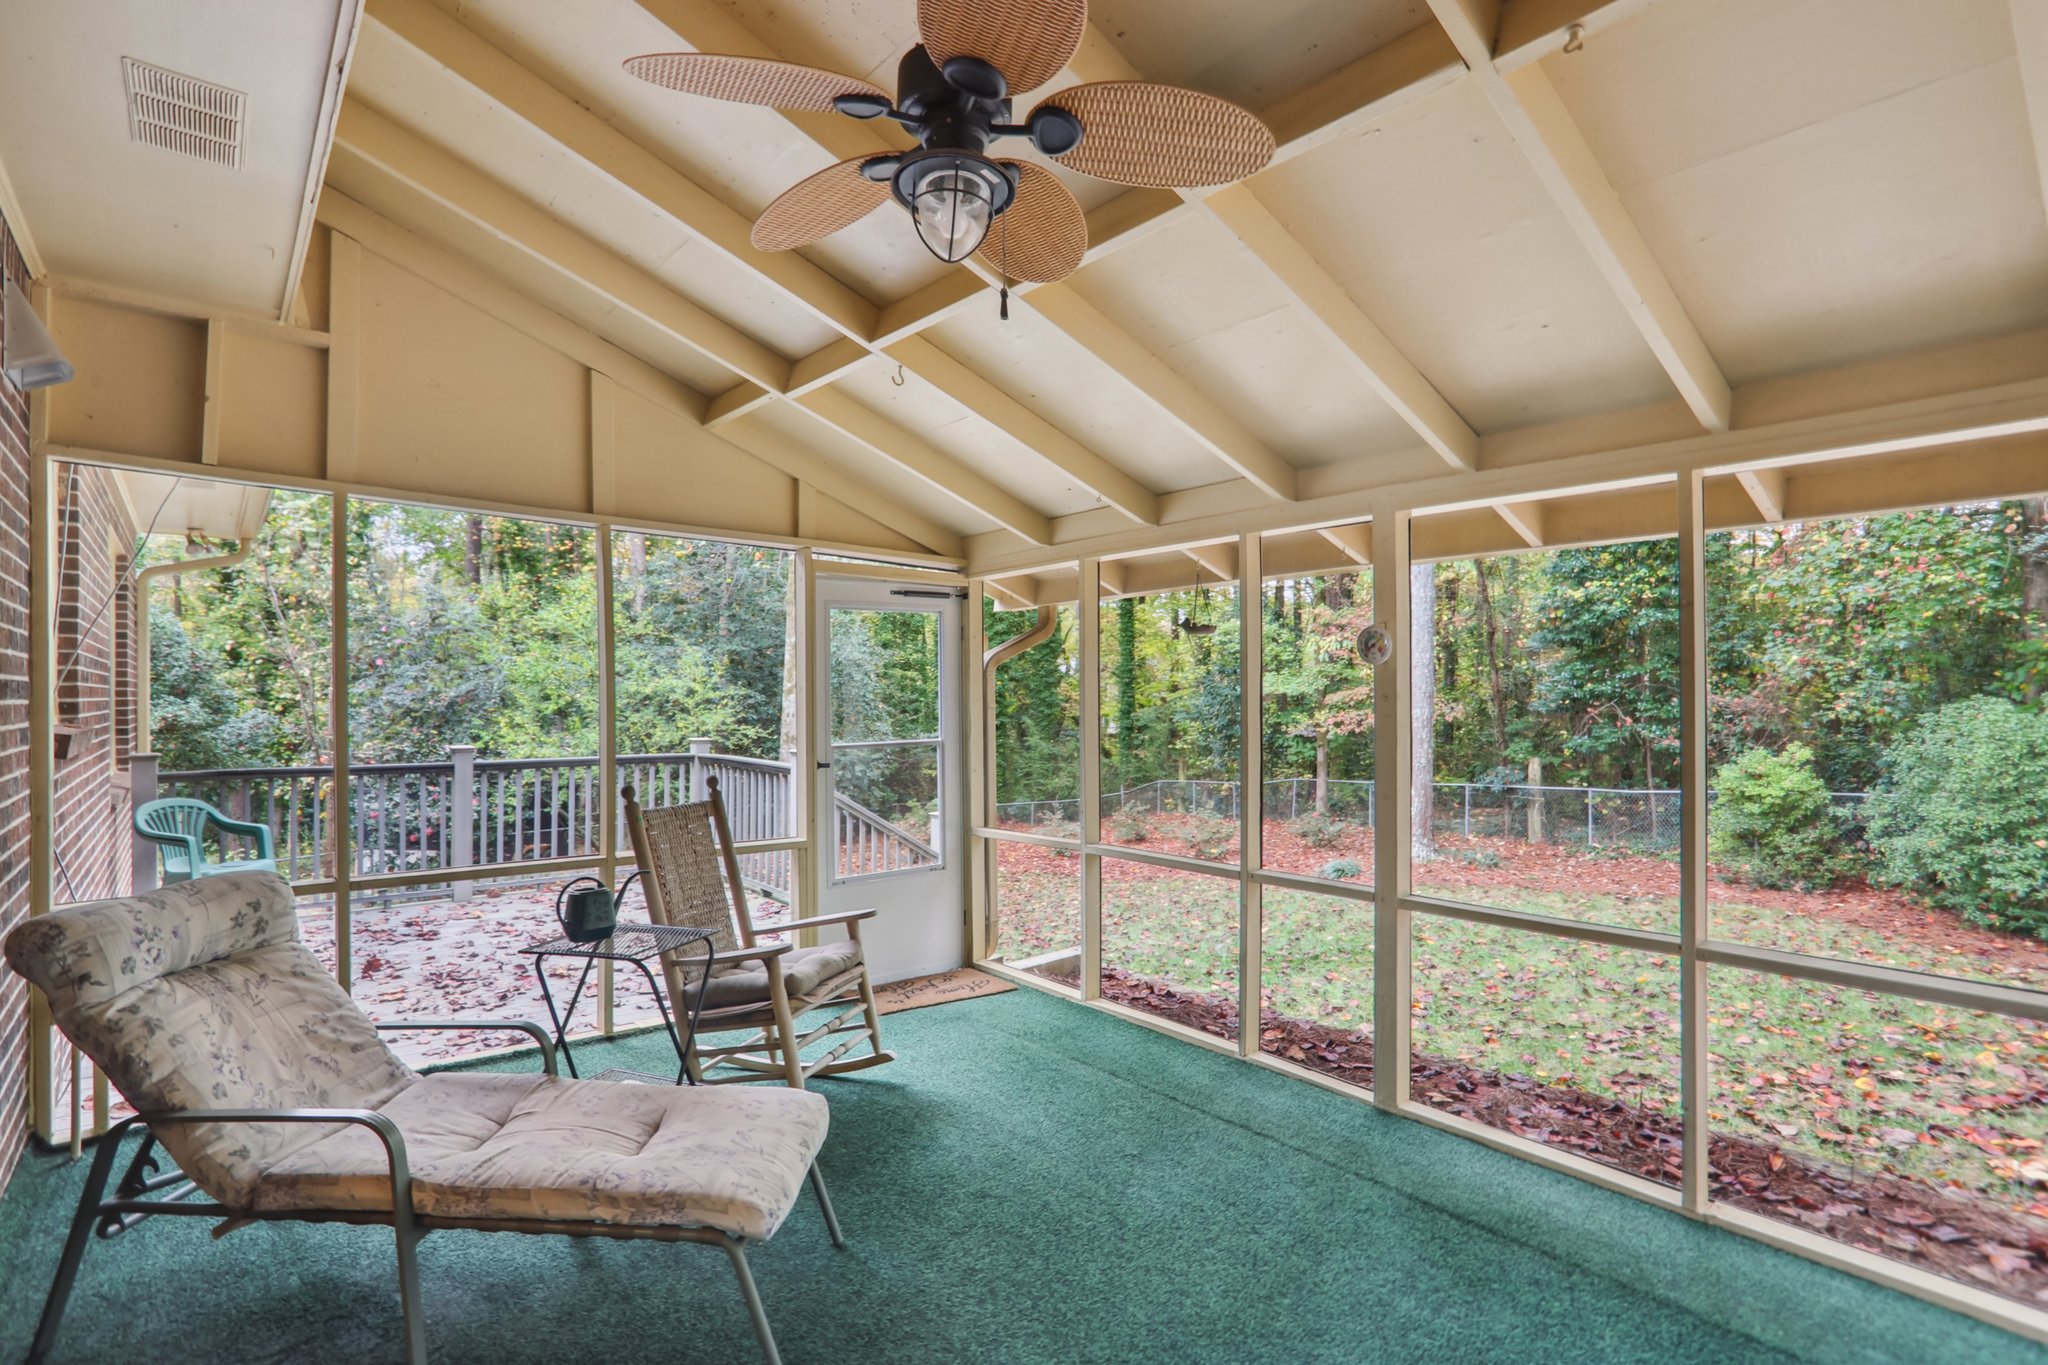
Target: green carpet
(1031, 1182)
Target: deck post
(461, 814)
(141, 791)
(700, 749)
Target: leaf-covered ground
(1854, 1088)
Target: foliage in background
(1773, 824)
(1963, 815)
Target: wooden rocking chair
(691, 877)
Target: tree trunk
(636, 569)
(1422, 708)
(790, 719)
(2034, 587)
(1322, 770)
(473, 549)
(1490, 625)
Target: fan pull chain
(1003, 251)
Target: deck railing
(464, 812)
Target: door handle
(823, 766)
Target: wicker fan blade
(749, 80)
(1027, 40)
(818, 206)
(1137, 133)
(1042, 236)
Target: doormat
(962, 983)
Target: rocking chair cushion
(527, 1147)
(804, 971)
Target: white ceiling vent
(182, 114)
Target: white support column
(1692, 835)
(1391, 694)
(337, 710)
(1089, 604)
(1251, 669)
(607, 693)
(975, 699)
(803, 777)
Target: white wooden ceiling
(100, 207)
(1471, 234)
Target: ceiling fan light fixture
(953, 197)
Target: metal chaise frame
(109, 1217)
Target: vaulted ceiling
(1490, 226)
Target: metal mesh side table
(638, 944)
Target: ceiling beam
(1525, 519)
(529, 97)
(1557, 151)
(1355, 540)
(837, 483)
(1019, 595)
(1375, 359)
(1418, 62)
(365, 139)
(1368, 90)
(1403, 70)
(706, 27)
(1766, 488)
(1219, 559)
(1190, 409)
(978, 394)
(464, 280)
(722, 228)
(368, 139)
(1941, 399)
(489, 295)
(925, 462)
(1533, 29)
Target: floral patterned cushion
(490, 1145)
(201, 996)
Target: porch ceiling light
(952, 197)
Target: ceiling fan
(953, 92)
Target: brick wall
(91, 808)
(95, 703)
(13, 737)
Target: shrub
(1342, 869)
(1058, 827)
(1320, 831)
(1772, 822)
(1211, 836)
(1129, 827)
(1963, 814)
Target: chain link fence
(1637, 820)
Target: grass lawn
(1839, 1075)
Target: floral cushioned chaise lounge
(278, 1100)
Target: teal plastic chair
(179, 825)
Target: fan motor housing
(957, 108)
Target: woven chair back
(688, 871)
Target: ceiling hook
(1575, 38)
(897, 378)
